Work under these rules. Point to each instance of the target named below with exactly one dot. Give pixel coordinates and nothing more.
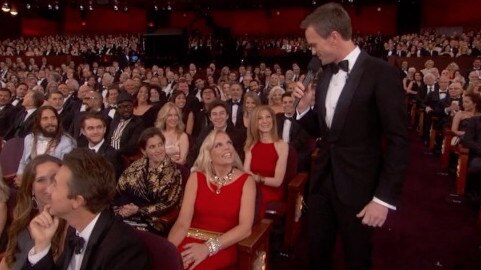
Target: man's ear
(78, 201)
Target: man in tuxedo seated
(431, 103)
(92, 102)
(24, 119)
(7, 111)
(219, 119)
(234, 105)
(292, 133)
(472, 140)
(20, 93)
(126, 127)
(94, 128)
(81, 193)
(254, 86)
(111, 97)
(201, 118)
(56, 100)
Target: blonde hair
(254, 97)
(253, 135)
(204, 160)
(162, 117)
(271, 93)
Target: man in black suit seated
(126, 127)
(254, 86)
(94, 128)
(292, 133)
(219, 119)
(7, 111)
(24, 119)
(234, 105)
(81, 193)
(92, 102)
(20, 93)
(56, 100)
(201, 118)
(472, 140)
(431, 103)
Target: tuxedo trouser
(328, 216)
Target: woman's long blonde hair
(204, 160)
(253, 134)
(162, 117)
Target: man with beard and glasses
(47, 137)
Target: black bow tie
(76, 243)
(335, 67)
(236, 102)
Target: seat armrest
(254, 249)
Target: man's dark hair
(218, 103)
(54, 92)
(328, 18)
(93, 178)
(149, 133)
(38, 99)
(286, 94)
(6, 90)
(92, 115)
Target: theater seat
(163, 254)
(10, 158)
(461, 169)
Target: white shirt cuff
(34, 258)
(300, 115)
(376, 200)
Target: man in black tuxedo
(362, 121)
(292, 133)
(235, 104)
(7, 111)
(25, 117)
(94, 128)
(81, 193)
(20, 93)
(431, 104)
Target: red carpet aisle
(426, 232)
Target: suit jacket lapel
(321, 93)
(103, 223)
(345, 98)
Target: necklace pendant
(217, 191)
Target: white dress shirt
(97, 146)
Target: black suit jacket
(112, 245)
(130, 135)
(472, 136)
(111, 155)
(21, 128)
(7, 118)
(370, 111)
(239, 123)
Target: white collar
(352, 57)
(87, 231)
(97, 146)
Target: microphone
(312, 69)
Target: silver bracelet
(214, 245)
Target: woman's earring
(34, 202)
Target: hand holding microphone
(302, 93)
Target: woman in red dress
(218, 207)
(266, 155)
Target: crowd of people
(111, 145)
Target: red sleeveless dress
(217, 213)
(263, 163)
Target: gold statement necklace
(220, 182)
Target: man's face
(183, 87)
(28, 99)
(21, 90)
(477, 64)
(94, 130)
(208, 95)
(455, 90)
(91, 100)
(219, 117)
(125, 109)
(48, 123)
(199, 84)
(443, 83)
(288, 105)
(321, 47)
(113, 94)
(4, 98)
(254, 86)
(64, 89)
(56, 101)
(236, 92)
(59, 190)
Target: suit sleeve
(392, 111)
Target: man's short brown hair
(328, 18)
(93, 178)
